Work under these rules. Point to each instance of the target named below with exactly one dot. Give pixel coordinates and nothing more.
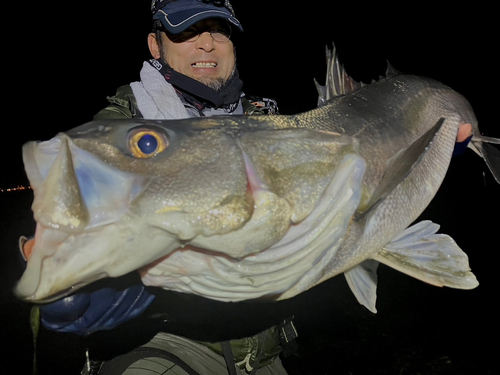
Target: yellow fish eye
(146, 143)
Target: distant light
(18, 188)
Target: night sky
(60, 69)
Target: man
(191, 52)
(193, 73)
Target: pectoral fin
(400, 166)
(362, 280)
(434, 258)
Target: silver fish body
(239, 208)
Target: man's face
(202, 57)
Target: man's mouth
(204, 64)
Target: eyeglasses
(220, 33)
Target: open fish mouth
(73, 188)
(75, 199)
(89, 225)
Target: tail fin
(484, 147)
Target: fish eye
(146, 143)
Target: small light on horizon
(18, 188)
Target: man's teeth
(204, 65)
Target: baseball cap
(177, 15)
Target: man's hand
(464, 132)
(103, 309)
(463, 138)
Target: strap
(118, 365)
(227, 352)
(288, 334)
(259, 355)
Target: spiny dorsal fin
(338, 82)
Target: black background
(62, 59)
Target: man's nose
(205, 42)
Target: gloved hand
(85, 313)
(103, 309)
(463, 138)
(460, 147)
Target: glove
(460, 147)
(103, 309)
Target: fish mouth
(33, 285)
(75, 203)
(75, 190)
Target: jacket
(123, 105)
(258, 350)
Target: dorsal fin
(338, 82)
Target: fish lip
(52, 298)
(56, 296)
(32, 293)
(30, 165)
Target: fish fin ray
(362, 280)
(338, 82)
(491, 155)
(434, 258)
(390, 71)
(484, 147)
(484, 139)
(400, 166)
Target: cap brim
(179, 21)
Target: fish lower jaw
(35, 297)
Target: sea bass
(239, 207)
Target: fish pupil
(148, 144)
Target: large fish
(241, 208)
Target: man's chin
(214, 83)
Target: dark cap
(177, 15)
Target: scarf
(159, 91)
(156, 98)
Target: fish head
(102, 190)
(111, 197)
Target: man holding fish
(193, 74)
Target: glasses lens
(221, 33)
(186, 36)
